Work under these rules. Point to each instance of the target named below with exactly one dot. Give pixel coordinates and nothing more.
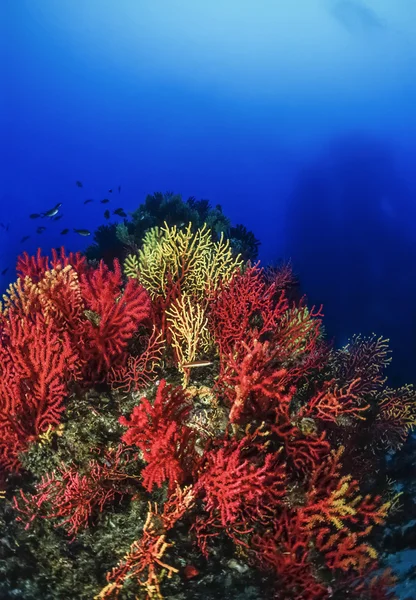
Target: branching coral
(182, 270)
(60, 323)
(159, 432)
(240, 488)
(140, 369)
(261, 455)
(71, 498)
(144, 561)
(172, 257)
(36, 364)
(189, 333)
(397, 416)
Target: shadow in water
(349, 235)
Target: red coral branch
(332, 402)
(64, 321)
(245, 306)
(72, 498)
(36, 364)
(36, 266)
(139, 370)
(286, 552)
(143, 562)
(238, 488)
(158, 430)
(256, 371)
(112, 316)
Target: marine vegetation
(116, 240)
(181, 428)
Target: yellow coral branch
(188, 326)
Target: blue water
(297, 117)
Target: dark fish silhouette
(58, 217)
(88, 200)
(5, 271)
(105, 201)
(24, 238)
(110, 191)
(82, 232)
(79, 183)
(64, 231)
(40, 229)
(119, 188)
(50, 213)
(34, 216)
(120, 212)
(107, 214)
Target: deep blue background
(298, 117)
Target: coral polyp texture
(185, 430)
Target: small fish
(5, 271)
(79, 183)
(53, 211)
(119, 188)
(120, 212)
(64, 231)
(24, 238)
(197, 363)
(84, 232)
(110, 191)
(107, 214)
(34, 216)
(105, 201)
(58, 217)
(40, 229)
(88, 200)
(50, 213)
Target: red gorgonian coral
(71, 498)
(60, 323)
(160, 433)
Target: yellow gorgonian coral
(188, 326)
(131, 266)
(397, 416)
(191, 259)
(341, 518)
(338, 506)
(300, 326)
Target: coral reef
(185, 430)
